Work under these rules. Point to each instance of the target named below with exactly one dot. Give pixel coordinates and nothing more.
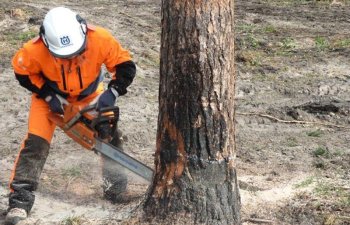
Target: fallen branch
(344, 218)
(257, 220)
(292, 121)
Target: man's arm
(25, 82)
(27, 72)
(118, 61)
(124, 75)
(29, 76)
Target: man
(63, 65)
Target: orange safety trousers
(34, 151)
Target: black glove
(56, 103)
(125, 73)
(54, 100)
(107, 98)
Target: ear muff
(83, 24)
(42, 35)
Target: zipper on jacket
(80, 78)
(63, 78)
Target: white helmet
(63, 32)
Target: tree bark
(195, 175)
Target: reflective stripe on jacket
(74, 77)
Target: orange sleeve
(114, 54)
(23, 64)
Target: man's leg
(114, 178)
(28, 167)
(30, 161)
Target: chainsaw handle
(88, 108)
(109, 109)
(77, 117)
(102, 116)
(102, 110)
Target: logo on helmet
(65, 40)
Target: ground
(292, 112)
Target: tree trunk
(195, 177)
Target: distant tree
(195, 176)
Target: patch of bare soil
(292, 114)
(292, 66)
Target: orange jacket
(34, 65)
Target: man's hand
(107, 98)
(56, 103)
(54, 100)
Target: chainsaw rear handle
(114, 109)
(76, 118)
(109, 109)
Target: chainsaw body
(94, 130)
(83, 125)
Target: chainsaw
(94, 130)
